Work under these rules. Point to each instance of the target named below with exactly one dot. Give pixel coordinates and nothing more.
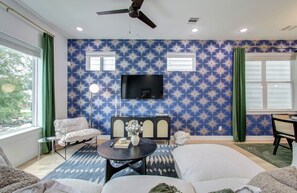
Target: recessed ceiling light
(194, 30)
(243, 30)
(79, 29)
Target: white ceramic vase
(135, 140)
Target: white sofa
(201, 168)
(211, 167)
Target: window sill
(271, 112)
(26, 131)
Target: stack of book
(122, 145)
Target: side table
(46, 140)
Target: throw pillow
(13, 179)
(164, 188)
(245, 189)
(279, 180)
(224, 191)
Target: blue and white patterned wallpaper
(199, 101)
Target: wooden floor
(49, 162)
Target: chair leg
(290, 143)
(65, 151)
(277, 141)
(274, 141)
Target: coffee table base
(110, 170)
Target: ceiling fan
(133, 11)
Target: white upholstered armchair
(73, 131)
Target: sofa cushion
(81, 185)
(201, 162)
(143, 184)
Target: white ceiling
(219, 19)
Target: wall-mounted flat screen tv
(142, 86)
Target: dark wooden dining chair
(283, 127)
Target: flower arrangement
(134, 127)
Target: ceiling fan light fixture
(79, 29)
(194, 30)
(133, 11)
(243, 30)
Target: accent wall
(199, 101)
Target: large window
(17, 89)
(269, 82)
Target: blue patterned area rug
(86, 164)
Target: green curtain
(238, 100)
(48, 90)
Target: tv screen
(142, 86)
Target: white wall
(23, 147)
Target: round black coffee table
(129, 156)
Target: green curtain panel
(48, 90)
(238, 100)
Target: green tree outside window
(16, 74)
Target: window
(18, 93)
(181, 62)
(269, 82)
(100, 61)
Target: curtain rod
(8, 8)
(292, 48)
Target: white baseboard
(230, 138)
(264, 137)
(213, 137)
(103, 137)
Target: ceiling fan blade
(146, 20)
(113, 12)
(138, 3)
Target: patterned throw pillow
(164, 188)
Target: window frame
(191, 55)
(36, 53)
(263, 58)
(102, 55)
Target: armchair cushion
(79, 135)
